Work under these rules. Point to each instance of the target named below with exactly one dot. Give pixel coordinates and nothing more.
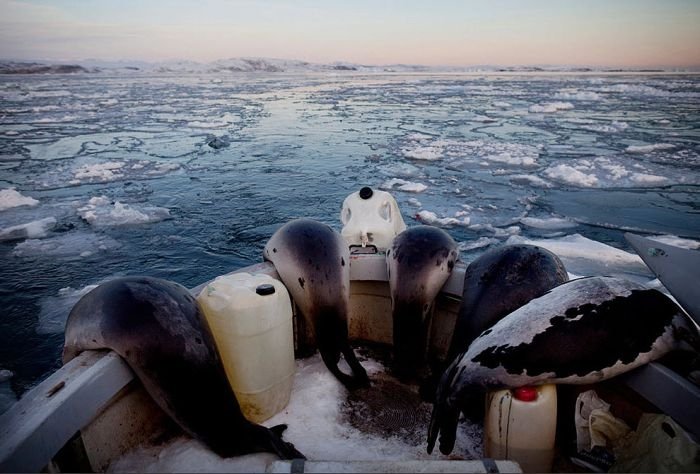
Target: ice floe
(431, 218)
(531, 180)
(574, 94)
(483, 152)
(10, 198)
(649, 148)
(570, 175)
(587, 257)
(550, 107)
(618, 171)
(612, 127)
(677, 241)
(101, 212)
(481, 242)
(68, 245)
(31, 230)
(403, 185)
(548, 223)
(7, 395)
(54, 309)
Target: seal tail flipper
(444, 418)
(361, 378)
(350, 382)
(271, 441)
(443, 422)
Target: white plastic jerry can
(520, 425)
(251, 319)
(371, 217)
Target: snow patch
(316, 427)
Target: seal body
(159, 329)
(419, 262)
(313, 261)
(497, 283)
(583, 331)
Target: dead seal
(497, 283)
(583, 331)
(313, 262)
(419, 263)
(157, 327)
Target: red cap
(525, 394)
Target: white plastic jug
(251, 319)
(371, 218)
(520, 425)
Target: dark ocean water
(123, 179)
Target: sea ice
(483, 152)
(677, 241)
(574, 94)
(10, 198)
(481, 242)
(403, 185)
(570, 175)
(551, 223)
(428, 153)
(54, 309)
(649, 148)
(588, 257)
(550, 107)
(31, 230)
(530, 179)
(69, 245)
(430, 218)
(100, 212)
(7, 395)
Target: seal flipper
(351, 382)
(443, 418)
(361, 379)
(270, 440)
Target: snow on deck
(322, 422)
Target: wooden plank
(45, 418)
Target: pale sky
(631, 33)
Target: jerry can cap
(366, 192)
(265, 289)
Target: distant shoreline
(280, 66)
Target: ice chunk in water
(70, 245)
(588, 257)
(31, 230)
(99, 212)
(10, 198)
(55, 309)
